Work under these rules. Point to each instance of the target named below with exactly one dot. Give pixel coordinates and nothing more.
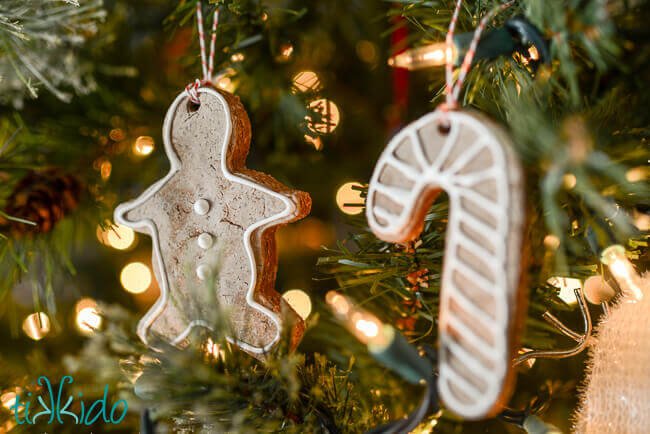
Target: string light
(144, 145)
(135, 277)
(347, 198)
(424, 57)
(299, 301)
(623, 271)
(363, 325)
(566, 286)
(88, 318)
(37, 325)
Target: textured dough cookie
(213, 224)
(481, 303)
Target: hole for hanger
(444, 127)
(192, 106)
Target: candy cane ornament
(481, 303)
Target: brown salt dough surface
(196, 139)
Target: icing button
(205, 241)
(203, 271)
(201, 207)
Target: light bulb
(363, 325)
(566, 286)
(338, 303)
(424, 57)
(368, 328)
(623, 271)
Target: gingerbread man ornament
(213, 222)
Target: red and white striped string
(192, 89)
(452, 90)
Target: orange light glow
(623, 271)
(135, 277)
(307, 81)
(143, 145)
(329, 116)
(349, 199)
(36, 325)
(424, 57)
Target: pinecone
(43, 196)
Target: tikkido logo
(57, 412)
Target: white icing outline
(509, 224)
(148, 226)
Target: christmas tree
(559, 88)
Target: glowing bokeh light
(117, 134)
(551, 242)
(135, 277)
(307, 80)
(368, 328)
(144, 145)
(117, 236)
(286, 51)
(299, 301)
(636, 174)
(329, 116)
(105, 169)
(237, 57)
(569, 181)
(8, 399)
(367, 51)
(36, 325)
(120, 237)
(88, 318)
(225, 83)
(338, 303)
(349, 200)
